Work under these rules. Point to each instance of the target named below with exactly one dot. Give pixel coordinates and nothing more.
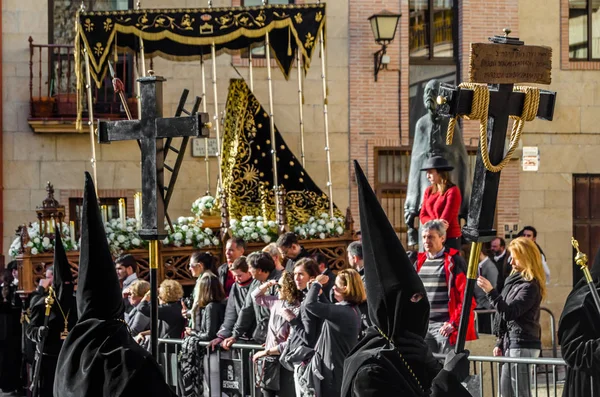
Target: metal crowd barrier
(488, 384)
(542, 308)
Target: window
(259, 52)
(433, 46)
(76, 206)
(432, 29)
(584, 30)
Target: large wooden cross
(500, 64)
(150, 131)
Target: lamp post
(384, 25)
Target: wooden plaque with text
(507, 64)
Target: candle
(51, 226)
(104, 210)
(72, 231)
(137, 203)
(122, 213)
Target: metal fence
(546, 374)
(553, 341)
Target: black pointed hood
(98, 291)
(391, 279)
(63, 278)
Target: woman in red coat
(442, 199)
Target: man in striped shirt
(442, 271)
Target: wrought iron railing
(53, 85)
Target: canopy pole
(213, 52)
(206, 159)
(272, 127)
(300, 105)
(90, 101)
(137, 70)
(325, 117)
(250, 69)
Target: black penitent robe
(100, 359)
(374, 369)
(579, 338)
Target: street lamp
(384, 26)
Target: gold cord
(401, 358)
(65, 332)
(479, 111)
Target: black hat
(98, 291)
(63, 278)
(391, 279)
(437, 162)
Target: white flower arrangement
(321, 227)
(123, 238)
(39, 244)
(254, 228)
(189, 232)
(204, 206)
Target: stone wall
(32, 159)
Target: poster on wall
(531, 158)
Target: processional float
(291, 32)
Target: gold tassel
(289, 53)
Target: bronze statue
(429, 141)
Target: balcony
(53, 90)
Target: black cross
(150, 131)
(504, 102)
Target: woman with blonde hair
(517, 323)
(339, 334)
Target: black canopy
(187, 34)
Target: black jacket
(235, 302)
(252, 313)
(170, 313)
(208, 320)
(222, 275)
(289, 266)
(518, 322)
(579, 338)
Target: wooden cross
(150, 131)
(500, 64)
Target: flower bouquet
(39, 244)
(321, 227)
(254, 228)
(123, 237)
(189, 232)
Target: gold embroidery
(89, 25)
(108, 24)
(319, 16)
(98, 50)
(310, 41)
(298, 18)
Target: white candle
(72, 231)
(138, 209)
(122, 213)
(104, 210)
